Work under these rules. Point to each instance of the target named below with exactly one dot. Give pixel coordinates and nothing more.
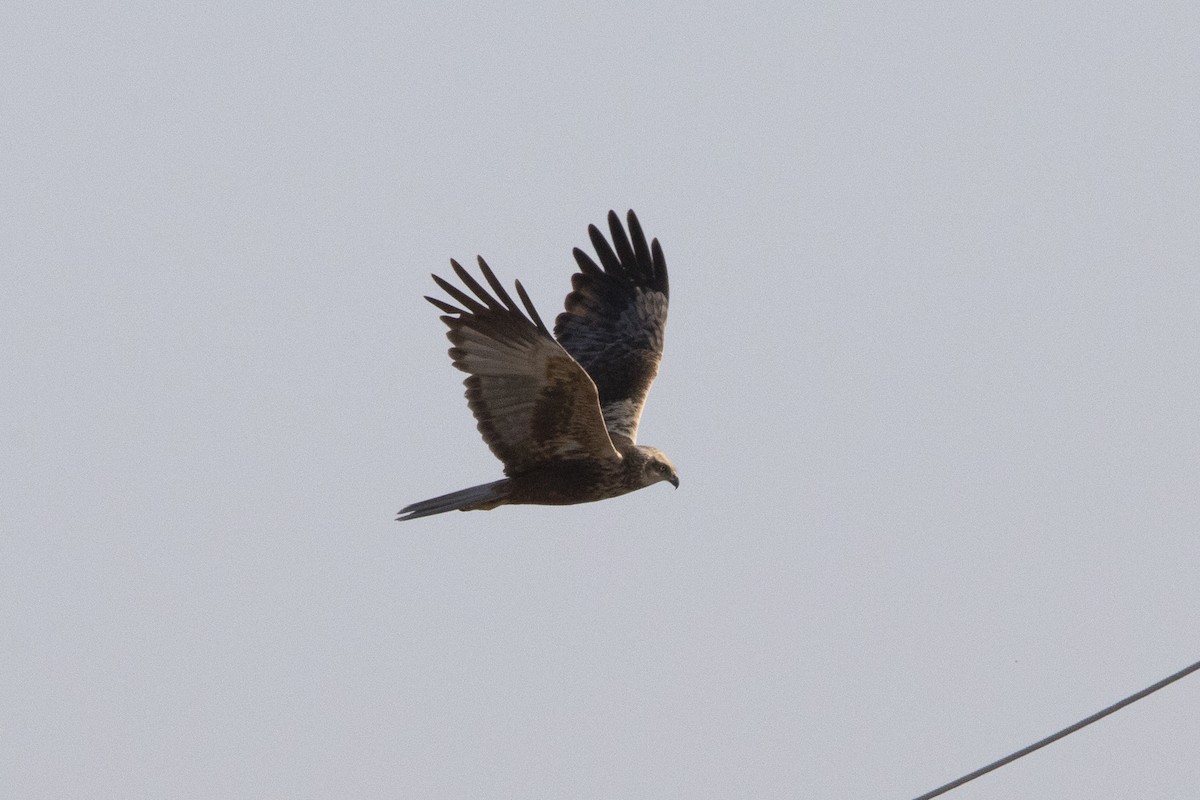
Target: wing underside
(533, 403)
(615, 318)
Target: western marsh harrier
(561, 412)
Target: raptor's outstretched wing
(533, 402)
(614, 320)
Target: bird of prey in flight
(561, 412)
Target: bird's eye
(662, 468)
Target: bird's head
(657, 467)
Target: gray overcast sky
(931, 382)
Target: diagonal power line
(1083, 723)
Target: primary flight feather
(561, 411)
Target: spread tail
(476, 498)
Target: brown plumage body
(568, 482)
(562, 413)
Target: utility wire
(1083, 723)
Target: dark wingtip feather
(474, 285)
(608, 259)
(641, 253)
(444, 306)
(586, 265)
(635, 227)
(468, 302)
(660, 268)
(625, 251)
(497, 287)
(537, 320)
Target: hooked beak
(674, 479)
